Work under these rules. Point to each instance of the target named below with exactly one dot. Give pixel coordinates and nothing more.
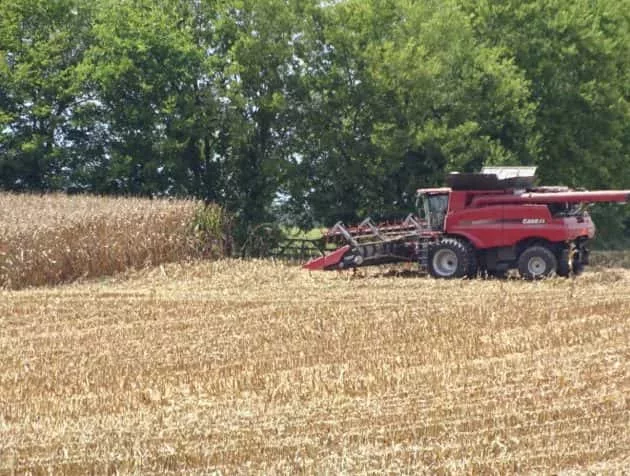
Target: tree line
(309, 111)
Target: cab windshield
(433, 208)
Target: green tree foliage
(143, 71)
(400, 92)
(313, 111)
(42, 44)
(575, 54)
(259, 87)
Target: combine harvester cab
(485, 223)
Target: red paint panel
(506, 225)
(328, 260)
(482, 226)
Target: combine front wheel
(451, 258)
(537, 262)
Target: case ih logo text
(534, 221)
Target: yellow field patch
(255, 367)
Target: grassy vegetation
(52, 239)
(255, 367)
(610, 259)
(312, 234)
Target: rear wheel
(537, 262)
(452, 258)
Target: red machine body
(480, 224)
(490, 220)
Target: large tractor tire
(451, 258)
(537, 262)
(570, 263)
(564, 263)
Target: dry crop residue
(254, 367)
(56, 238)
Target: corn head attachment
(369, 244)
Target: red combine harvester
(485, 223)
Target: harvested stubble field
(255, 367)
